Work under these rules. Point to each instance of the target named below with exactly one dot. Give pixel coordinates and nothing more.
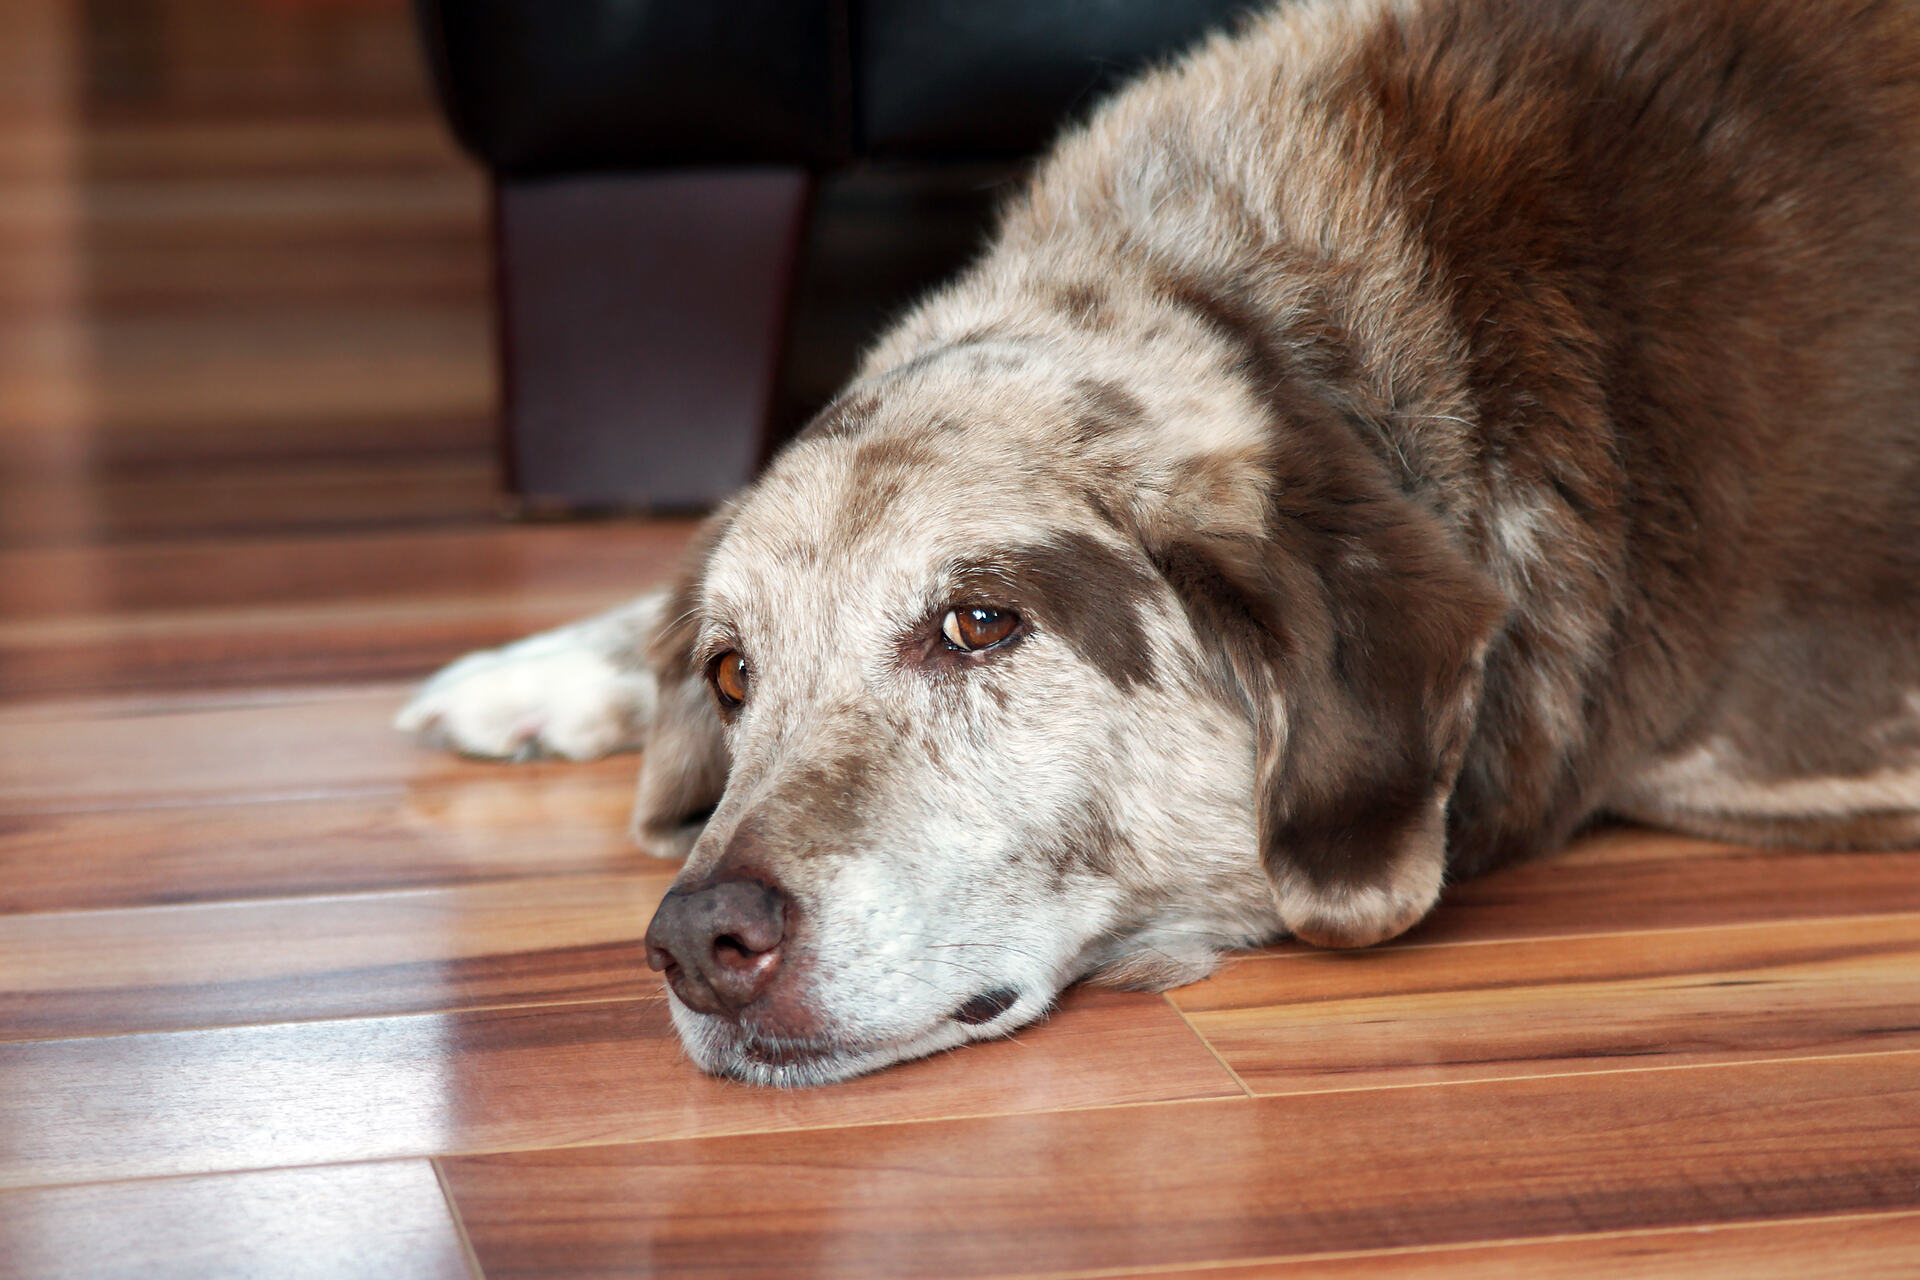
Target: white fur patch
(553, 694)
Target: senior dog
(1373, 448)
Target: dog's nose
(719, 944)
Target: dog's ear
(685, 766)
(1356, 631)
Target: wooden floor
(283, 995)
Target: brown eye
(729, 678)
(977, 628)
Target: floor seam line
(1457, 1246)
(474, 1270)
(1206, 1043)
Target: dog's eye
(728, 675)
(976, 627)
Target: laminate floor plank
(171, 371)
(302, 144)
(218, 615)
(1877, 1247)
(1423, 1015)
(35, 443)
(1193, 1183)
(141, 754)
(473, 826)
(519, 942)
(350, 1222)
(281, 646)
(1630, 880)
(200, 500)
(110, 582)
(93, 1109)
(1627, 878)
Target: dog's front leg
(580, 691)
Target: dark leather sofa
(704, 207)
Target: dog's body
(1375, 447)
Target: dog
(1375, 447)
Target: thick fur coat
(1401, 433)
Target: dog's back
(1625, 290)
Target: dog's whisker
(955, 965)
(1024, 953)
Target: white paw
(546, 696)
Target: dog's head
(1016, 669)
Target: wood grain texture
(175, 501)
(118, 754)
(1340, 1020)
(81, 1110)
(518, 942)
(1202, 1182)
(79, 621)
(1876, 1247)
(349, 1222)
(489, 561)
(277, 255)
(475, 826)
(285, 647)
(1626, 878)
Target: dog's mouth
(756, 1056)
(781, 1053)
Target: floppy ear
(1356, 631)
(685, 766)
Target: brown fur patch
(1088, 304)
(883, 468)
(820, 809)
(1107, 408)
(1629, 163)
(1091, 596)
(1089, 843)
(1361, 620)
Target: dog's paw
(545, 696)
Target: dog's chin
(723, 1048)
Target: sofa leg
(642, 318)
